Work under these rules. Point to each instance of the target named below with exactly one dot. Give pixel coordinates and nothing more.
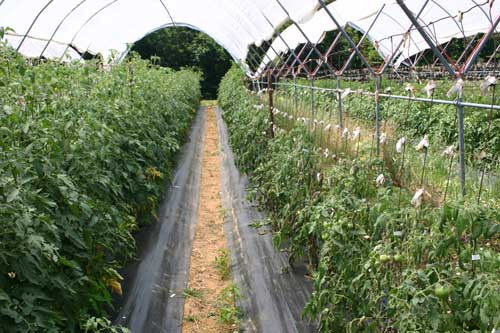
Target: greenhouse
(249, 166)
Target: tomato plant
(84, 153)
(379, 263)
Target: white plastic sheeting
(100, 26)
(33, 47)
(345, 11)
(291, 37)
(443, 20)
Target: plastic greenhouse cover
(344, 11)
(443, 20)
(32, 48)
(100, 26)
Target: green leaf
(13, 195)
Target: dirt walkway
(209, 274)
(175, 283)
(154, 282)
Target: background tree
(179, 47)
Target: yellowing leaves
(153, 173)
(115, 286)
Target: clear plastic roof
(389, 28)
(59, 28)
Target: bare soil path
(206, 284)
(175, 283)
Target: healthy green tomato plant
(84, 154)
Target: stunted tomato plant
(379, 262)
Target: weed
(195, 293)
(223, 264)
(229, 313)
(191, 318)
(225, 213)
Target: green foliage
(378, 266)
(223, 264)
(417, 119)
(229, 313)
(180, 47)
(195, 293)
(248, 142)
(84, 153)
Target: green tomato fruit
(384, 258)
(442, 291)
(398, 257)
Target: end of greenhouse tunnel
(182, 47)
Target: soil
(201, 313)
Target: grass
(195, 293)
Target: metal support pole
(321, 58)
(32, 24)
(472, 58)
(295, 93)
(253, 61)
(284, 42)
(59, 26)
(426, 37)
(442, 52)
(493, 55)
(271, 61)
(283, 65)
(250, 62)
(332, 70)
(339, 99)
(311, 84)
(461, 145)
(348, 38)
(85, 24)
(293, 62)
(466, 49)
(377, 112)
(351, 56)
(168, 13)
(388, 62)
(306, 58)
(253, 56)
(271, 107)
(268, 57)
(327, 53)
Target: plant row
(381, 259)
(404, 125)
(84, 153)
(419, 118)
